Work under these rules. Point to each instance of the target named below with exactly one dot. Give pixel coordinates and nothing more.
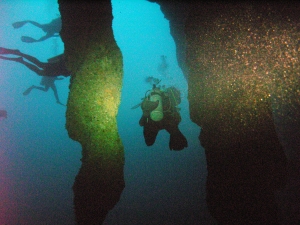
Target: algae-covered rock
(96, 65)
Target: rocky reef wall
(242, 62)
(96, 65)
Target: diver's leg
(34, 68)
(28, 65)
(27, 39)
(143, 120)
(5, 51)
(177, 139)
(31, 40)
(48, 35)
(150, 133)
(26, 56)
(43, 83)
(45, 89)
(53, 87)
(19, 59)
(22, 23)
(32, 59)
(36, 24)
(28, 90)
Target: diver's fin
(19, 24)
(177, 141)
(4, 51)
(27, 39)
(136, 106)
(27, 91)
(8, 51)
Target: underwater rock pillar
(95, 62)
(236, 65)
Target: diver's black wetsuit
(170, 122)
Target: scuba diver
(160, 111)
(3, 114)
(163, 66)
(54, 67)
(48, 70)
(47, 82)
(51, 29)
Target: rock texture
(96, 65)
(242, 64)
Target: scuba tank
(157, 114)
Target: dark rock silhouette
(176, 12)
(245, 159)
(233, 150)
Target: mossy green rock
(95, 61)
